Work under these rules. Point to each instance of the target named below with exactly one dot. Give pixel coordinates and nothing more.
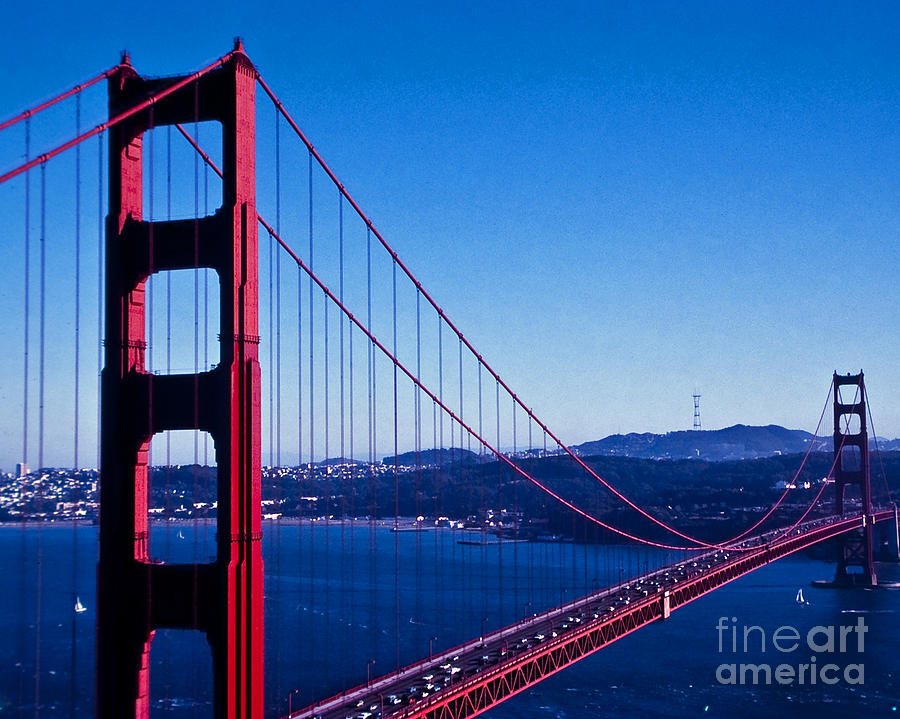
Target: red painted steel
(453, 415)
(703, 545)
(125, 114)
(491, 687)
(502, 457)
(224, 599)
(697, 544)
(31, 112)
(396, 258)
(136, 596)
(856, 566)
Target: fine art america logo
(820, 658)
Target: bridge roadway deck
(471, 678)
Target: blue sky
(618, 203)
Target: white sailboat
(800, 599)
(79, 607)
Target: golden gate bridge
(357, 356)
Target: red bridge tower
(136, 596)
(851, 467)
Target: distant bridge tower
(851, 467)
(137, 596)
(696, 411)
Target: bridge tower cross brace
(136, 595)
(851, 467)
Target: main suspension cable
(370, 226)
(443, 319)
(76, 90)
(148, 102)
(438, 400)
(453, 416)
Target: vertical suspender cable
(277, 476)
(275, 401)
(315, 600)
(149, 319)
(100, 236)
(463, 476)
(100, 139)
(353, 477)
(440, 463)
(396, 474)
(195, 470)
(271, 343)
(77, 277)
(417, 440)
(27, 294)
(573, 583)
(515, 558)
(206, 366)
(451, 442)
(73, 664)
(461, 417)
(373, 448)
(374, 554)
(311, 419)
(326, 419)
(41, 378)
(342, 463)
(303, 471)
(312, 416)
(26, 320)
(370, 359)
(168, 332)
(531, 471)
(326, 469)
(500, 581)
(440, 539)
(484, 570)
(277, 396)
(149, 294)
(472, 502)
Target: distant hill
(434, 456)
(732, 443)
(335, 461)
(887, 445)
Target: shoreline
(404, 524)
